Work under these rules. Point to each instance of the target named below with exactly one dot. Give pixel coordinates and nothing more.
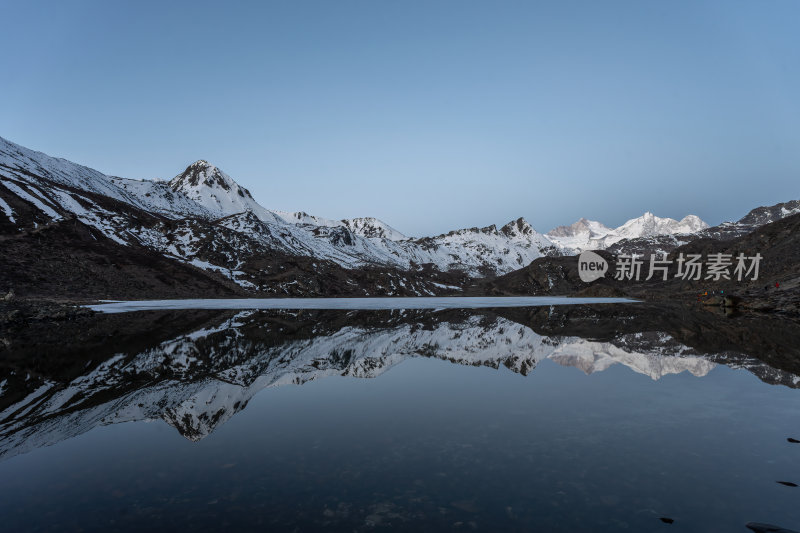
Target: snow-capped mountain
(216, 192)
(209, 206)
(591, 235)
(648, 225)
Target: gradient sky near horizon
(429, 115)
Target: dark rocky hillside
(66, 259)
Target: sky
(431, 115)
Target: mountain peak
(216, 191)
(202, 174)
(519, 227)
(582, 226)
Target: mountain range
(202, 220)
(592, 235)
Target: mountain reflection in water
(196, 369)
(566, 418)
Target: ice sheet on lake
(452, 302)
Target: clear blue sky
(429, 115)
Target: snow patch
(7, 210)
(29, 197)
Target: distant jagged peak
(693, 219)
(582, 226)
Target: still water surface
(575, 418)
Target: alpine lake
(432, 414)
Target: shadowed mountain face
(196, 369)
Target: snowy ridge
(373, 228)
(513, 246)
(301, 217)
(364, 226)
(158, 197)
(21, 162)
